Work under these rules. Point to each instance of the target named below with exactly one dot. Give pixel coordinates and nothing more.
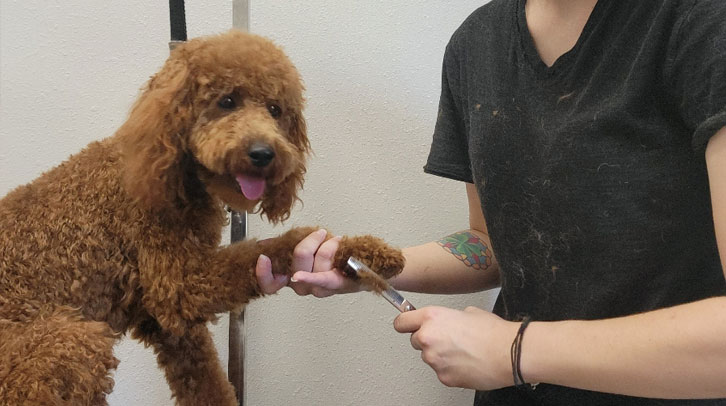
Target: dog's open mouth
(251, 186)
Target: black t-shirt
(591, 172)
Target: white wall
(372, 68)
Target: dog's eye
(227, 102)
(274, 109)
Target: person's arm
(460, 263)
(677, 352)
(466, 264)
(674, 352)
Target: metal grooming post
(235, 362)
(238, 221)
(235, 366)
(177, 23)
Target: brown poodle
(124, 236)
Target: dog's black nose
(261, 154)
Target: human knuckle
(300, 291)
(302, 252)
(431, 313)
(319, 293)
(447, 379)
(427, 357)
(325, 254)
(424, 339)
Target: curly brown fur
(124, 236)
(36, 368)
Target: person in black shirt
(591, 137)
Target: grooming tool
(358, 270)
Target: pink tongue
(251, 187)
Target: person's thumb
(269, 282)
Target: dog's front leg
(234, 266)
(190, 363)
(188, 284)
(182, 292)
(232, 270)
(179, 292)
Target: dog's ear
(153, 138)
(299, 133)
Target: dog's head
(221, 120)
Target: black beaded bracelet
(516, 354)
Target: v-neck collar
(530, 50)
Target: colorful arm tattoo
(469, 249)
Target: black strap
(516, 353)
(178, 20)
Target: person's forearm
(678, 352)
(453, 264)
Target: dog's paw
(382, 258)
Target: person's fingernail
(293, 280)
(322, 232)
(338, 237)
(264, 258)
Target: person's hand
(313, 261)
(467, 349)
